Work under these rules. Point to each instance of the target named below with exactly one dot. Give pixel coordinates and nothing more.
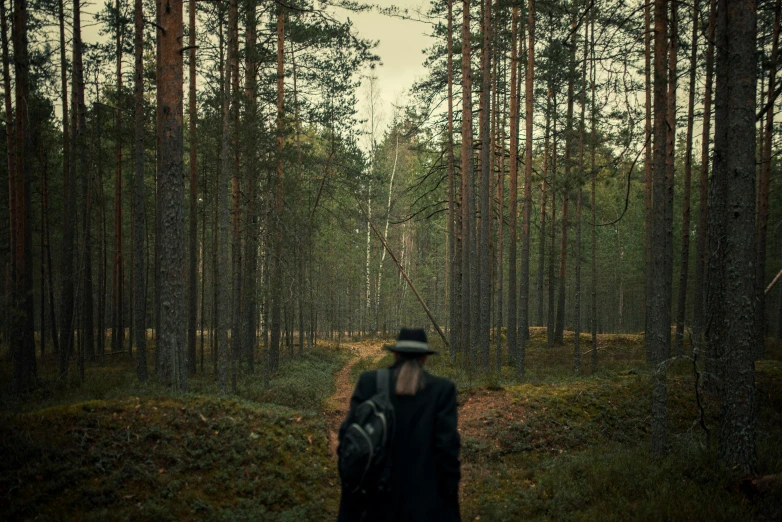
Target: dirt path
(336, 406)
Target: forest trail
(336, 406)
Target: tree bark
(763, 196)
(685, 259)
(192, 279)
(699, 318)
(658, 334)
(454, 283)
(582, 129)
(118, 279)
(484, 284)
(731, 307)
(527, 211)
(139, 297)
(276, 275)
(171, 194)
(250, 340)
(23, 318)
(466, 183)
(513, 189)
(560, 326)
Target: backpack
(364, 460)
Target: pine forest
(217, 213)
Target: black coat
(425, 452)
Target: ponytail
(410, 377)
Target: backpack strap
(382, 383)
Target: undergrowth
(552, 446)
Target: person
(425, 468)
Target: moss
(162, 456)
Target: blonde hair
(410, 377)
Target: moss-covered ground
(552, 446)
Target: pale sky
(400, 47)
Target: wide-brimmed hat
(411, 341)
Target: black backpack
(364, 460)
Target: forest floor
(555, 446)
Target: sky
(400, 48)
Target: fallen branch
(402, 271)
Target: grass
(554, 446)
(114, 449)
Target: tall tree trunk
(81, 149)
(763, 193)
(23, 318)
(276, 304)
(252, 179)
(699, 321)
(466, 184)
(139, 315)
(581, 131)
(731, 280)
(527, 212)
(223, 254)
(540, 286)
(236, 202)
(593, 176)
(513, 188)
(499, 160)
(10, 135)
(658, 334)
(118, 280)
(551, 326)
(484, 284)
(670, 168)
(559, 334)
(685, 260)
(648, 166)
(171, 194)
(454, 282)
(192, 279)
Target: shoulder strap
(382, 383)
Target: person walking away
(423, 449)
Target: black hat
(411, 341)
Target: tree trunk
(731, 280)
(551, 326)
(192, 279)
(763, 196)
(139, 297)
(685, 260)
(527, 211)
(658, 334)
(582, 129)
(276, 275)
(251, 179)
(23, 318)
(118, 280)
(699, 320)
(223, 254)
(236, 202)
(466, 184)
(171, 194)
(648, 166)
(540, 286)
(559, 334)
(484, 284)
(513, 189)
(454, 281)
(593, 175)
